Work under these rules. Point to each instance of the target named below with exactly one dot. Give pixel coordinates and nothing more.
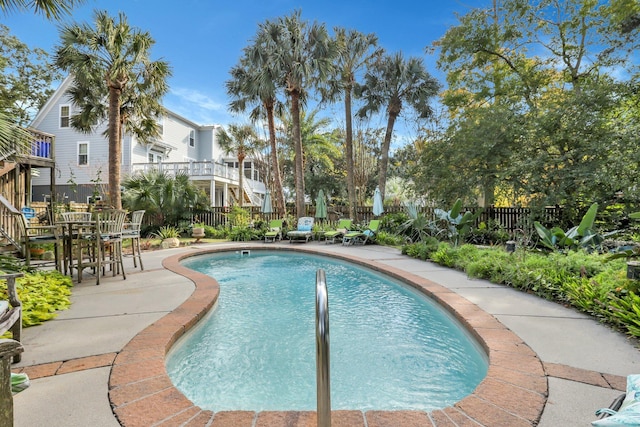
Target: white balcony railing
(202, 168)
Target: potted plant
(36, 253)
(197, 231)
(169, 237)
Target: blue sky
(203, 39)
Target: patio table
(71, 230)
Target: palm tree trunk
(115, 147)
(299, 163)
(384, 154)
(277, 178)
(351, 186)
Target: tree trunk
(277, 178)
(299, 163)
(384, 154)
(115, 147)
(348, 142)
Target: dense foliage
(584, 281)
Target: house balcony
(41, 151)
(205, 172)
(195, 170)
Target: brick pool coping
(513, 393)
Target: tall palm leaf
(241, 140)
(253, 83)
(114, 81)
(391, 82)
(51, 9)
(355, 52)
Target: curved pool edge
(513, 393)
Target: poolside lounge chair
(362, 237)
(341, 230)
(304, 230)
(275, 231)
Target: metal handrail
(322, 351)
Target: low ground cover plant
(588, 282)
(42, 294)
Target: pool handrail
(322, 351)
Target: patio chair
(362, 237)
(103, 243)
(132, 231)
(11, 312)
(35, 235)
(275, 231)
(625, 409)
(339, 232)
(303, 232)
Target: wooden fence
(510, 219)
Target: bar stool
(132, 231)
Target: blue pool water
(392, 348)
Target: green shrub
(167, 232)
(422, 250)
(389, 239)
(582, 280)
(219, 232)
(242, 234)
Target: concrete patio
(77, 358)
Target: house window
(155, 157)
(83, 153)
(65, 116)
(161, 125)
(192, 138)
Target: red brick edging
(513, 393)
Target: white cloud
(200, 99)
(196, 106)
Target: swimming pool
(391, 348)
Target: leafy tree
(171, 198)
(253, 83)
(390, 82)
(241, 140)
(299, 53)
(533, 106)
(114, 80)
(355, 52)
(26, 79)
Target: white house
(183, 147)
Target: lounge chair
(304, 230)
(362, 237)
(275, 231)
(339, 232)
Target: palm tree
(171, 198)
(355, 52)
(391, 82)
(298, 53)
(114, 80)
(253, 83)
(242, 140)
(321, 151)
(51, 9)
